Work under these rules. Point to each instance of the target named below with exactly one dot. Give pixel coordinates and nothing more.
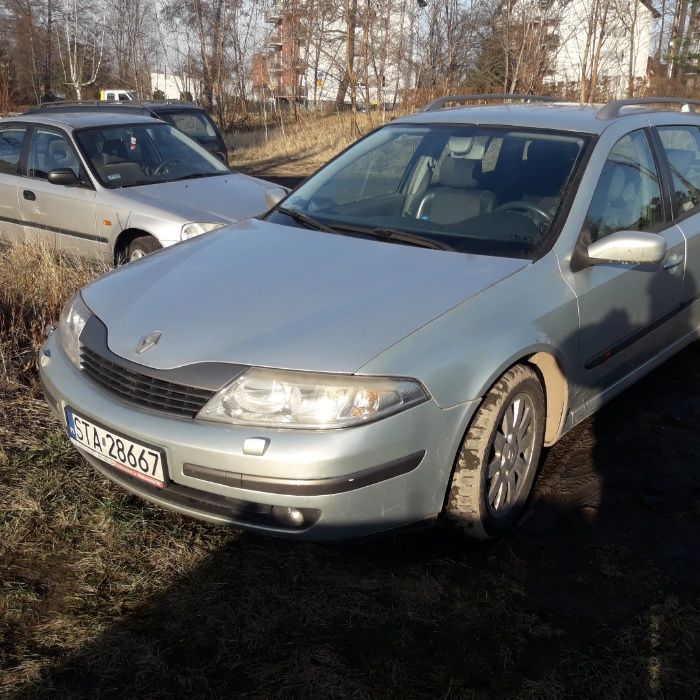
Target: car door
(60, 215)
(12, 138)
(628, 313)
(680, 145)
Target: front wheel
(498, 459)
(142, 246)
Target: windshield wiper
(303, 218)
(391, 234)
(191, 176)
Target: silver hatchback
(400, 336)
(114, 186)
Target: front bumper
(350, 482)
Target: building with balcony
(305, 54)
(576, 44)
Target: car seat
(615, 205)
(455, 196)
(114, 151)
(60, 155)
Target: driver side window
(628, 196)
(49, 151)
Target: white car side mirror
(628, 247)
(274, 196)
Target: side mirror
(274, 196)
(628, 248)
(64, 176)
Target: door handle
(673, 260)
(28, 194)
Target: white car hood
(229, 198)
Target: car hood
(277, 296)
(218, 198)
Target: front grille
(143, 390)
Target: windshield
(488, 190)
(145, 154)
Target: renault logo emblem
(148, 342)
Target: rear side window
(682, 147)
(194, 124)
(11, 141)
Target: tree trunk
(347, 82)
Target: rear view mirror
(275, 196)
(64, 176)
(629, 248)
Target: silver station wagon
(114, 186)
(399, 337)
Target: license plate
(138, 460)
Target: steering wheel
(164, 167)
(520, 207)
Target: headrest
(460, 173)
(680, 159)
(464, 147)
(613, 180)
(59, 150)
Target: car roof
(560, 116)
(87, 118)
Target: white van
(118, 95)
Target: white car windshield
(143, 154)
(477, 189)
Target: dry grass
(34, 285)
(299, 148)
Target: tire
(142, 246)
(488, 492)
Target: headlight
(73, 319)
(192, 230)
(283, 399)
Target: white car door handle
(673, 260)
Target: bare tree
(81, 33)
(348, 80)
(132, 39)
(524, 34)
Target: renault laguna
(397, 339)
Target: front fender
(461, 354)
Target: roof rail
(442, 101)
(107, 104)
(612, 109)
(57, 104)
